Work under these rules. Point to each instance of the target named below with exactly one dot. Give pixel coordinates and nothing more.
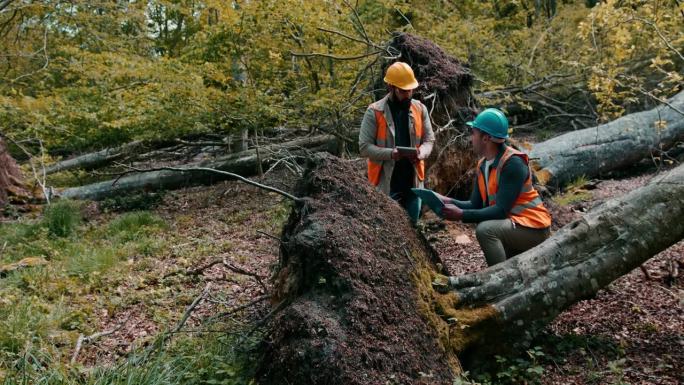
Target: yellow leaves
(274, 55)
(659, 61)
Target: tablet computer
(431, 199)
(407, 150)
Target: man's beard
(404, 104)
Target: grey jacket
(369, 149)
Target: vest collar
(495, 164)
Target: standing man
(509, 212)
(397, 120)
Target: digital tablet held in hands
(430, 199)
(407, 151)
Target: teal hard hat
(491, 121)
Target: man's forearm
(464, 205)
(374, 152)
(484, 214)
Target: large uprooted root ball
(354, 291)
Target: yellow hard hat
(401, 75)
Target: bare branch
(91, 338)
(47, 59)
(316, 54)
(239, 270)
(41, 182)
(203, 143)
(190, 308)
(358, 20)
(352, 38)
(269, 235)
(663, 38)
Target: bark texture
(95, 159)
(594, 151)
(242, 163)
(13, 188)
(531, 289)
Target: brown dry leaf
(26, 262)
(462, 239)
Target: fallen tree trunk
(354, 283)
(96, 159)
(242, 163)
(594, 151)
(526, 292)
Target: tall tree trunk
(618, 144)
(354, 290)
(244, 140)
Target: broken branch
(83, 339)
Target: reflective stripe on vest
(528, 209)
(381, 134)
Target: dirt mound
(351, 312)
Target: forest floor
(134, 273)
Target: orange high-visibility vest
(381, 134)
(528, 209)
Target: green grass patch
(218, 362)
(44, 308)
(131, 226)
(86, 262)
(97, 267)
(62, 218)
(572, 197)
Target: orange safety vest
(528, 209)
(381, 133)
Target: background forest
(81, 75)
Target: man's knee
(486, 229)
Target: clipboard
(431, 200)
